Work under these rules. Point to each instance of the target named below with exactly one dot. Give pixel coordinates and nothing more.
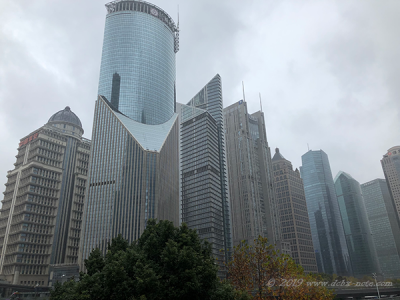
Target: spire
(244, 97)
(277, 156)
(178, 18)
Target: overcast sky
(328, 71)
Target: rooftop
(65, 116)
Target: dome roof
(67, 116)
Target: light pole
(376, 284)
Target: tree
(166, 262)
(265, 273)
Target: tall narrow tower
(294, 221)
(134, 169)
(323, 211)
(384, 225)
(391, 168)
(356, 227)
(251, 182)
(204, 190)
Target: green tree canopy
(166, 262)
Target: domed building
(41, 215)
(66, 121)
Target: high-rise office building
(324, 215)
(384, 226)
(356, 227)
(391, 168)
(251, 182)
(137, 73)
(294, 222)
(134, 168)
(41, 216)
(204, 197)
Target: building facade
(41, 216)
(251, 182)
(204, 195)
(356, 227)
(137, 73)
(294, 222)
(384, 226)
(391, 168)
(134, 167)
(324, 214)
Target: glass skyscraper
(358, 234)
(137, 73)
(205, 203)
(134, 167)
(324, 215)
(384, 226)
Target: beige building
(294, 221)
(251, 184)
(391, 168)
(41, 214)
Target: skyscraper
(134, 168)
(205, 202)
(324, 215)
(251, 181)
(384, 226)
(137, 73)
(356, 226)
(41, 216)
(391, 168)
(294, 221)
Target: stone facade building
(294, 221)
(41, 216)
(251, 182)
(391, 168)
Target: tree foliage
(264, 273)
(166, 262)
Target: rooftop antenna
(178, 16)
(308, 147)
(176, 40)
(260, 102)
(244, 98)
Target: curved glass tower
(356, 227)
(137, 73)
(323, 211)
(134, 163)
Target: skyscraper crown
(65, 116)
